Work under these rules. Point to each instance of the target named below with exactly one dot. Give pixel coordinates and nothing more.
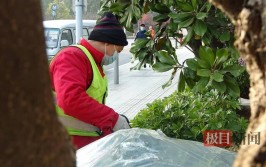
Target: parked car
(62, 33)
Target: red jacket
(71, 75)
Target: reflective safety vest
(98, 91)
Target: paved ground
(138, 87)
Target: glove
(122, 123)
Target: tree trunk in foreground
(249, 17)
(30, 132)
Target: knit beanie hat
(109, 30)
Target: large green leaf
(201, 15)
(204, 64)
(161, 18)
(201, 84)
(153, 8)
(190, 82)
(206, 6)
(134, 49)
(188, 73)
(204, 72)
(141, 42)
(117, 7)
(200, 27)
(225, 36)
(234, 69)
(179, 17)
(217, 76)
(138, 45)
(207, 54)
(186, 23)
(220, 86)
(234, 52)
(194, 4)
(186, 7)
(207, 39)
(142, 54)
(233, 88)
(213, 30)
(160, 67)
(162, 8)
(181, 82)
(192, 64)
(136, 11)
(165, 58)
(222, 55)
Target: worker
(80, 84)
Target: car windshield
(51, 37)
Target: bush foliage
(185, 115)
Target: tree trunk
(250, 20)
(30, 132)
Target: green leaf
(204, 72)
(201, 84)
(190, 82)
(186, 7)
(142, 54)
(192, 64)
(138, 45)
(195, 130)
(225, 36)
(161, 18)
(214, 31)
(162, 8)
(233, 88)
(234, 69)
(201, 15)
(188, 36)
(207, 54)
(206, 39)
(179, 17)
(116, 7)
(160, 67)
(153, 8)
(186, 23)
(134, 49)
(220, 86)
(140, 42)
(188, 73)
(200, 27)
(165, 58)
(194, 4)
(222, 55)
(204, 64)
(181, 82)
(234, 52)
(136, 11)
(217, 76)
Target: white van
(62, 33)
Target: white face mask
(142, 28)
(109, 59)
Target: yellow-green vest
(97, 90)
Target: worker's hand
(122, 123)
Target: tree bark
(250, 20)
(31, 135)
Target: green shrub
(185, 115)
